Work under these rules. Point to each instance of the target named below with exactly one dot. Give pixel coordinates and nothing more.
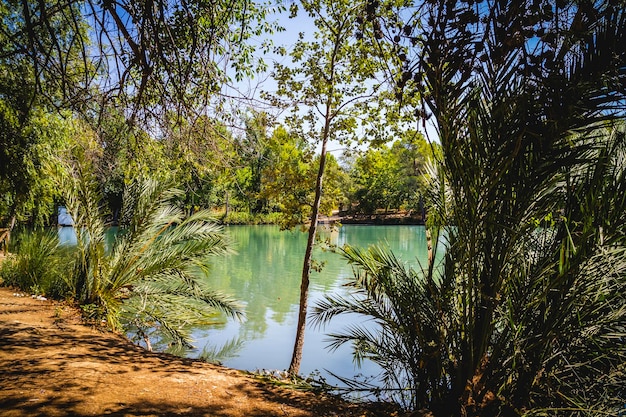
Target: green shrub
(38, 264)
(238, 217)
(152, 280)
(241, 217)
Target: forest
(499, 123)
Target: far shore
(392, 218)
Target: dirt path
(51, 365)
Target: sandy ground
(53, 365)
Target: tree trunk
(296, 358)
(329, 115)
(7, 236)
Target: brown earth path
(52, 365)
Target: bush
(152, 280)
(37, 266)
(241, 217)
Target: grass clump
(38, 265)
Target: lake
(265, 274)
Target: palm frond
(401, 330)
(217, 355)
(155, 276)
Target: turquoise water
(265, 274)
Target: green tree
(287, 184)
(392, 177)
(45, 44)
(28, 143)
(153, 56)
(288, 180)
(198, 155)
(125, 153)
(414, 154)
(336, 186)
(253, 156)
(327, 89)
(121, 64)
(27, 133)
(30, 133)
(378, 177)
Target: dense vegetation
(525, 313)
(123, 112)
(258, 177)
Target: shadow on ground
(51, 365)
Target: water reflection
(67, 236)
(265, 274)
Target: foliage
(391, 177)
(515, 152)
(162, 59)
(252, 158)
(517, 319)
(37, 265)
(29, 138)
(378, 179)
(31, 130)
(328, 89)
(328, 96)
(164, 256)
(123, 152)
(286, 182)
(116, 67)
(237, 217)
(558, 319)
(154, 277)
(215, 355)
(401, 330)
(199, 157)
(336, 185)
(42, 44)
(414, 153)
(27, 192)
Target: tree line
(266, 174)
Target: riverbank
(397, 217)
(387, 219)
(53, 365)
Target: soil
(52, 364)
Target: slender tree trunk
(296, 358)
(146, 339)
(429, 244)
(7, 237)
